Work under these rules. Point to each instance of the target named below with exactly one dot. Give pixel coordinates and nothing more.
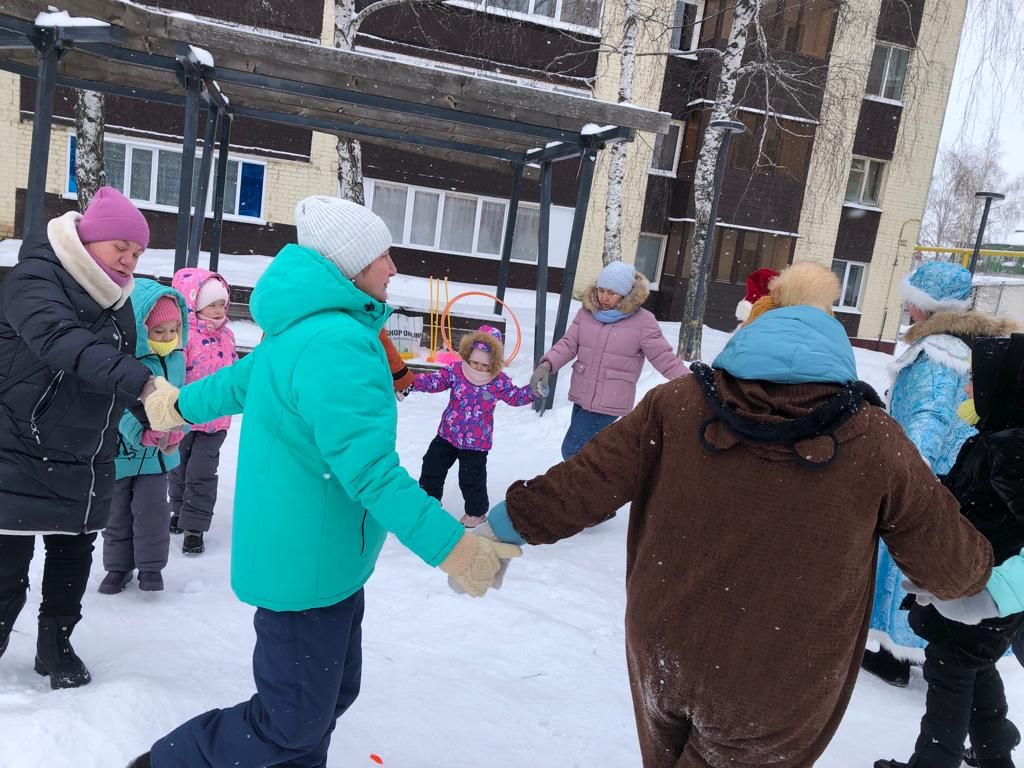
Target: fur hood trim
(943, 349)
(963, 324)
(496, 348)
(63, 235)
(629, 304)
(941, 338)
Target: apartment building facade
(850, 196)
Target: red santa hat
(757, 287)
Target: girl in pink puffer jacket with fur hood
(211, 346)
(610, 337)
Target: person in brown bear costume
(746, 622)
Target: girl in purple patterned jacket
(467, 425)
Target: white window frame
(859, 202)
(675, 158)
(151, 204)
(850, 265)
(890, 47)
(444, 195)
(485, 6)
(688, 51)
(661, 256)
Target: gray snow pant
(137, 535)
(194, 481)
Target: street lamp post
(988, 197)
(728, 127)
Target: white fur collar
(63, 235)
(941, 348)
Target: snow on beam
(460, 96)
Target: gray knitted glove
(539, 380)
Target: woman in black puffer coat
(67, 373)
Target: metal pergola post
(218, 190)
(579, 222)
(543, 239)
(510, 231)
(193, 83)
(48, 47)
(205, 165)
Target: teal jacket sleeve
(131, 431)
(347, 399)
(1007, 586)
(222, 394)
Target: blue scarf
(610, 315)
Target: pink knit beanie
(165, 310)
(112, 216)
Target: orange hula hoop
(447, 310)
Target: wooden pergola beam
(374, 78)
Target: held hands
(964, 610)
(160, 407)
(166, 442)
(539, 380)
(478, 564)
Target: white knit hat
(350, 235)
(210, 291)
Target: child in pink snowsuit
(211, 346)
(467, 425)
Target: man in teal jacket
(319, 486)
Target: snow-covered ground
(533, 675)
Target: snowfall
(531, 675)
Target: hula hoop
(447, 310)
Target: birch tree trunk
(90, 123)
(691, 330)
(350, 151)
(619, 152)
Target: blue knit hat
(938, 286)
(618, 277)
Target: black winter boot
(884, 665)
(9, 610)
(175, 528)
(193, 543)
(55, 656)
(8, 613)
(142, 761)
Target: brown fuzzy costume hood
(496, 348)
(964, 325)
(629, 304)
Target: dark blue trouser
(584, 425)
(307, 666)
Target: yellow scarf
(968, 413)
(164, 348)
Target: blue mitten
(502, 526)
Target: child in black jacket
(965, 692)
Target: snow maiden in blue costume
(928, 386)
